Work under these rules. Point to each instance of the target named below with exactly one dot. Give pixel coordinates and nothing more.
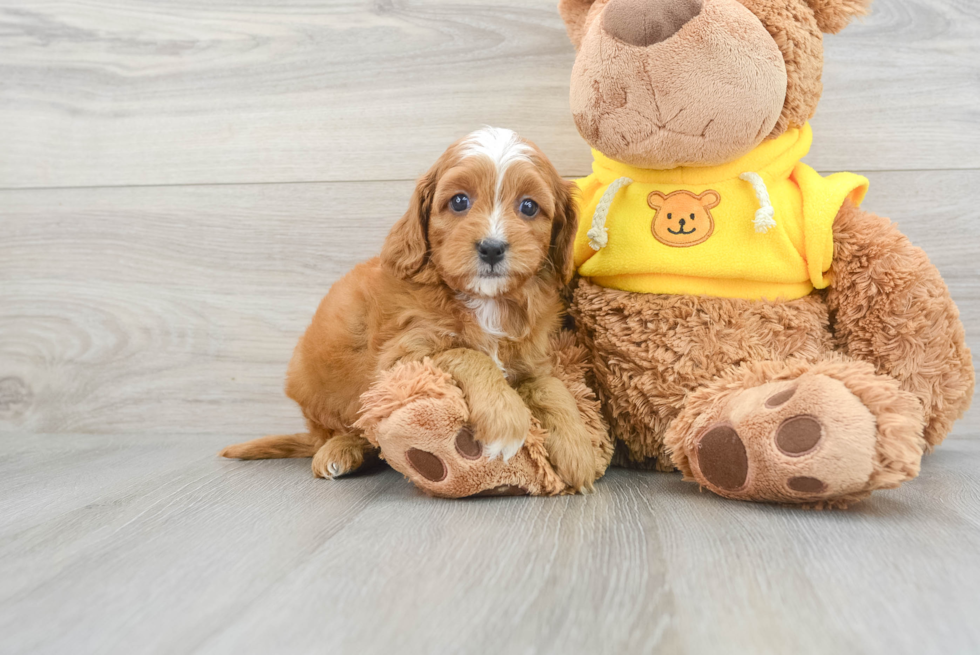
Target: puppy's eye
(529, 208)
(460, 203)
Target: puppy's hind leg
(343, 454)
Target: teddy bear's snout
(646, 22)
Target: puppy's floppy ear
(574, 12)
(406, 249)
(563, 229)
(834, 15)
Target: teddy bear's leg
(821, 434)
(419, 418)
(651, 351)
(891, 308)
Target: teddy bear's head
(666, 83)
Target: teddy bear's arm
(890, 306)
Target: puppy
(470, 276)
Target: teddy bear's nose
(646, 22)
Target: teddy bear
(749, 323)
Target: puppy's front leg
(499, 415)
(568, 442)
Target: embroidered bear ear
(710, 199)
(656, 200)
(834, 15)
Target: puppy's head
(491, 214)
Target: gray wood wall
(181, 182)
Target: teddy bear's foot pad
(433, 469)
(799, 441)
(454, 465)
(418, 417)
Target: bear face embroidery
(683, 219)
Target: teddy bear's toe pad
(723, 459)
(806, 485)
(801, 441)
(505, 490)
(798, 435)
(467, 445)
(426, 464)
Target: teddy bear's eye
(692, 217)
(670, 215)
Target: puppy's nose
(491, 250)
(646, 22)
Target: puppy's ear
(406, 250)
(574, 13)
(834, 15)
(563, 229)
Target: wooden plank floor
(181, 182)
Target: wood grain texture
(181, 182)
(125, 92)
(175, 309)
(150, 544)
(145, 307)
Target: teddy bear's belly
(651, 350)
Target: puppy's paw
(337, 458)
(573, 457)
(504, 433)
(505, 451)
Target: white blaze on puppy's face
(502, 147)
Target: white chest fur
(489, 316)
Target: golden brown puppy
(470, 276)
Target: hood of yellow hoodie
(756, 227)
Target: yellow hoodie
(758, 227)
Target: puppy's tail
(275, 447)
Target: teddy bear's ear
(834, 15)
(574, 12)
